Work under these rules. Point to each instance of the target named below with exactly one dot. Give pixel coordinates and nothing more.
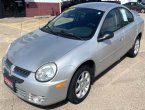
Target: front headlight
(46, 72)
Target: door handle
(122, 38)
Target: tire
(133, 52)
(142, 11)
(80, 86)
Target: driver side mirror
(106, 35)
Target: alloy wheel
(82, 84)
(137, 46)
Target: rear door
(129, 28)
(109, 51)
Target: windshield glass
(75, 23)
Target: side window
(111, 22)
(127, 16)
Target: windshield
(75, 23)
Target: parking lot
(122, 87)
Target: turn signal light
(60, 85)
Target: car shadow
(59, 104)
(49, 107)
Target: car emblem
(11, 70)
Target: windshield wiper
(69, 34)
(47, 28)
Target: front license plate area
(9, 83)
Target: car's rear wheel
(142, 11)
(80, 85)
(135, 49)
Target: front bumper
(28, 87)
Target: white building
(125, 1)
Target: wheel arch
(139, 35)
(91, 64)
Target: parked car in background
(137, 6)
(61, 60)
(118, 2)
(68, 3)
(143, 3)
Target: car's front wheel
(135, 49)
(80, 85)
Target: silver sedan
(61, 60)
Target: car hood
(38, 48)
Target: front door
(111, 50)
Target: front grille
(8, 63)
(17, 70)
(21, 72)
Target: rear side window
(127, 16)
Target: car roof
(103, 6)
